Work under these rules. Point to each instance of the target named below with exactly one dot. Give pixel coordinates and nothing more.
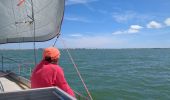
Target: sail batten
(16, 23)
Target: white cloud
(93, 42)
(134, 28)
(167, 21)
(131, 30)
(154, 24)
(119, 32)
(128, 15)
(72, 2)
(76, 35)
(123, 17)
(78, 19)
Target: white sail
(17, 20)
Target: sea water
(110, 74)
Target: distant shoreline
(88, 48)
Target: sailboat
(29, 21)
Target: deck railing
(19, 68)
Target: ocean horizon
(110, 74)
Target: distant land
(86, 48)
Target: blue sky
(114, 24)
(117, 23)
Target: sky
(113, 24)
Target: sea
(110, 74)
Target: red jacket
(46, 75)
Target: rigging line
(75, 66)
(20, 13)
(12, 4)
(27, 16)
(34, 32)
(56, 39)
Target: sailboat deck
(9, 84)
(12, 88)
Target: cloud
(131, 30)
(73, 2)
(134, 28)
(93, 42)
(123, 17)
(78, 19)
(83, 2)
(167, 21)
(76, 35)
(154, 24)
(119, 32)
(128, 15)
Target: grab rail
(22, 68)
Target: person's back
(44, 75)
(48, 73)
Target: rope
(34, 32)
(56, 39)
(75, 66)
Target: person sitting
(48, 73)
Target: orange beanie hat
(52, 52)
